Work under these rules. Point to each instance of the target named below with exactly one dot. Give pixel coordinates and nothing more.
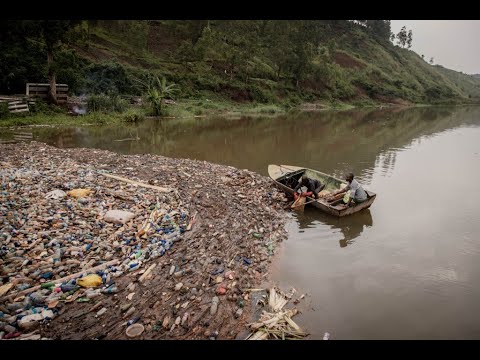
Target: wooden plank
(138, 183)
(18, 107)
(45, 95)
(44, 84)
(39, 88)
(46, 87)
(16, 102)
(146, 273)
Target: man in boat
(357, 194)
(313, 187)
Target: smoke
(79, 110)
(79, 104)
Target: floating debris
(51, 246)
(276, 323)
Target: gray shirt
(357, 191)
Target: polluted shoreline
(97, 245)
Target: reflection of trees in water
(386, 162)
(62, 137)
(333, 142)
(350, 226)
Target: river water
(408, 267)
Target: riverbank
(196, 109)
(201, 234)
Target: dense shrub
(106, 103)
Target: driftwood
(129, 139)
(4, 288)
(154, 215)
(146, 273)
(138, 183)
(66, 278)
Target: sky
(453, 44)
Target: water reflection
(333, 142)
(350, 227)
(354, 226)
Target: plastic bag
(79, 193)
(91, 280)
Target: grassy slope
(404, 74)
(377, 72)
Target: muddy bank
(182, 267)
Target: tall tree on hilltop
(379, 28)
(409, 39)
(392, 37)
(402, 36)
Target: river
(408, 267)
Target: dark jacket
(312, 185)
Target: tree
(431, 60)
(402, 36)
(392, 37)
(53, 33)
(379, 28)
(409, 39)
(238, 45)
(278, 45)
(186, 53)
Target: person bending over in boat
(357, 194)
(313, 185)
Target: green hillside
(285, 63)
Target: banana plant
(156, 90)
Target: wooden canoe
(286, 178)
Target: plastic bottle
(110, 290)
(58, 255)
(92, 293)
(68, 287)
(37, 299)
(326, 336)
(132, 321)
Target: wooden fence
(41, 91)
